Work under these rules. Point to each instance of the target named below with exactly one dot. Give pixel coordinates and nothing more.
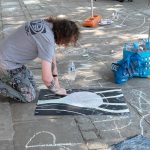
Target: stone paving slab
(6, 145)
(46, 133)
(25, 112)
(6, 124)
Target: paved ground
(96, 50)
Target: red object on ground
(92, 21)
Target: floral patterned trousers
(18, 84)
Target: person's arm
(54, 66)
(55, 71)
(48, 79)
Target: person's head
(65, 31)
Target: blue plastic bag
(132, 65)
(120, 72)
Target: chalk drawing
(141, 121)
(126, 17)
(51, 144)
(116, 128)
(120, 128)
(105, 101)
(127, 13)
(141, 98)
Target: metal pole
(92, 8)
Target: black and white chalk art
(105, 101)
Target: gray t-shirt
(33, 39)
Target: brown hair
(65, 31)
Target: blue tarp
(137, 142)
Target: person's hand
(61, 91)
(56, 89)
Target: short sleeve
(45, 46)
(43, 36)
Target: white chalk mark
(141, 121)
(54, 138)
(120, 95)
(118, 104)
(107, 91)
(101, 109)
(100, 84)
(118, 130)
(125, 126)
(141, 97)
(108, 120)
(139, 110)
(54, 144)
(127, 16)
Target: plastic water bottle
(141, 44)
(147, 44)
(115, 15)
(125, 47)
(129, 46)
(72, 71)
(135, 46)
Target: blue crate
(135, 62)
(140, 61)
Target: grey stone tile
(11, 9)
(12, 13)
(49, 133)
(104, 126)
(6, 124)
(33, 7)
(25, 112)
(6, 145)
(137, 82)
(14, 20)
(96, 144)
(89, 135)
(0, 25)
(9, 3)
(138, 98)
(110, 137)
(86, 126)
(36, 2)
(81, 119)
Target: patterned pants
(18, 84)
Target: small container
(129, 46)
(147, 44)
(72, 71)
